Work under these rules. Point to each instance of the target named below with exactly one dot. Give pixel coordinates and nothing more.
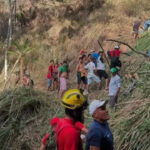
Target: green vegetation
(132, 131)
(143, 43)
(25, 112)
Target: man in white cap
(99, 136)
(114, 56)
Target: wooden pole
(103, 51)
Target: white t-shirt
(114, 84)
(90, 67)
(100, 64)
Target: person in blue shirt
(146, 25)
(95, 55)
(99, 136)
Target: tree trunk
(5, 65)
(9, 39)
(21, 69)
(13, 68)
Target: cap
(54, 121)
(116, 47)
(92, 50)
(112, 70)
(95, 104)
(82, 51)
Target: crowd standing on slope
(89, 68)
(69, 131)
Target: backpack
(60, 126)
(52, 140)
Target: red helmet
(82, 51)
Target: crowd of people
(89, 68)
(57, 75)
(69, 132)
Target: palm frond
(16, 44)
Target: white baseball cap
(95, 104)
(116, 47)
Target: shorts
(102, 73)
(93, 78)
(55, 76)
(116, 63)
(81, 79)
(49, 81)
(135, 32)
(63, 85)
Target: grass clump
(143, 42)
(135, 132)
(24, 118)
(134, 7)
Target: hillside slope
(58, 31)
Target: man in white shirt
(91, 69)
(114, 87)
(101, 69)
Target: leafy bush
(137, 135)
(22, 110)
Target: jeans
(49, 83)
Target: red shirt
(69, 136)
(115, 53)
(55, 68)
(50, 72)
(45, 138)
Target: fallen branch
(145, 55)
(130, 88)
(103, 51)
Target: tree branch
(145, 55)
(103, 51)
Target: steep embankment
(60, 30)
(25, 113)
(24, 118)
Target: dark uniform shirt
(99, 135)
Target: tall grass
(21, 111)
(135, 132)
(135, 7)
